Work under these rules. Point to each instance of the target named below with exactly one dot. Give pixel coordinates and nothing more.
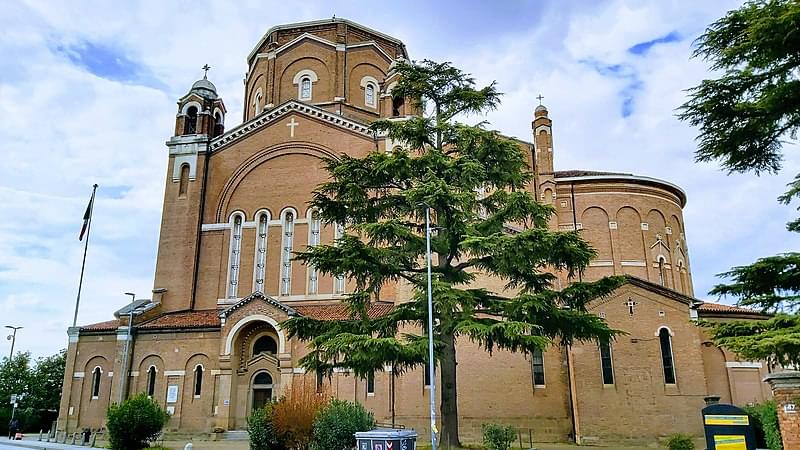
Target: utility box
(386, 439)
(728, 428)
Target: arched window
(261, 253)
(371, 383)
(397, 105)
(257, 103)
(369, 95)
(183, 182)
(286, 254)
(190, 122)
(305, 88)
(235, 256)
(537, 367)
(151, 381)
(96, 377)
(265, 344)
(666, 355)
(662, 276)
(313, 241)
(262, 378)
(198, 380)
(219, 124)
(338, 282)
(606, 363)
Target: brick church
(208, 344)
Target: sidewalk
(32, 442)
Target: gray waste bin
(386, 439)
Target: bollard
(94, 439)
(40, 435)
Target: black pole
(85, 250)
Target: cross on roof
(630, 304)
(205, 69)
(540, 98)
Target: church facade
(209, 346)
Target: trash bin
(386, 439)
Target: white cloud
(64, 128)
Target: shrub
(765, 420)
(262, 431)
(134, 423)
(498, 437)
(293, 416)
(336, 425)
(679, 441)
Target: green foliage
(679, 441)
(383, 197)
(771, 284)
(336, 425)
(40, 382)
(765, 420)
(134, 423)
(261, 429)
(498, 437)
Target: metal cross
(291, 126)
(540, 98)
(630, 304)
(206, 69)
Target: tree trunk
(449, 409)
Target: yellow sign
(724, 442)
(727, 420)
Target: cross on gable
(631, 305)
(292, 124)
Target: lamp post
(431, 363)
(13, 338)
(124, 375)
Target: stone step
(236, 435)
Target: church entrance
(262, 390)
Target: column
(786, 390)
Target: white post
(431, 362)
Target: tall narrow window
(190, 122)
(261, 253)
(662, 278)
(286, 256)
(198, 380)
(96, 377)
(606, 363)
(338, 282)
(320, 379)
(305, 88)
(183, 183)
(235, 256)
(427, 376)
(666, 356)
(151, 381)
(537, 367)
(313, 241)
(369, 95)
(371, 383)
(397, 105)
(682, 276)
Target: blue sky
(88, 91)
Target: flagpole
(85, 249)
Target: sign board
(728, 428)
(790, 408)
(172, 393)
(13, 398)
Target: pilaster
(786, 390)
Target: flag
(87, 216)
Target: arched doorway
(261, 390)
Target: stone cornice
(291, 106)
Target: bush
(679, 441)
(498, 437)
(134, 423)
(262, 431)
(336, 425)
(765, 420)
(293, 416)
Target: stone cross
(630, 304)
(292, 123)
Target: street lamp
(13, 338)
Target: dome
(204, 88)
(541, 108)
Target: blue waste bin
(386, 439)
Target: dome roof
(204, 88)
(540, 108)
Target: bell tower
(543, 154)
(200, 118)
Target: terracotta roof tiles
(108, 325)
(183, 320)
(726, 309)
(339, 311)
